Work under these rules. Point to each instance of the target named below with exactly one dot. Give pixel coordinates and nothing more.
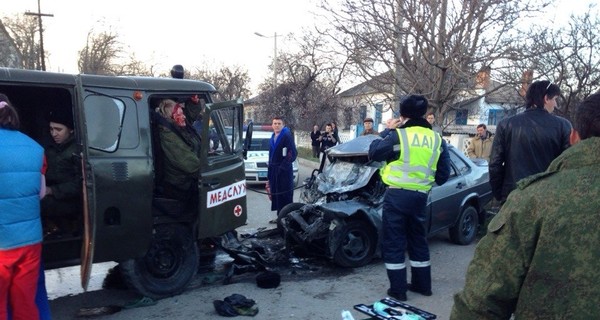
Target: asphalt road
(313, 289)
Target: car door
(446, 200)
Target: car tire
(357, 245)
(465, 229)
(168, 266)
(285, 211)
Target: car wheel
(465, 229)
(285, 211)
(168, 266)
(357, 245)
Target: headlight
(250, 165)
(295, 165)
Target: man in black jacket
(526, 143)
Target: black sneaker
(413, 289)
(397, 296)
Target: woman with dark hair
(21, 160)
(336, 134)
(526, 143)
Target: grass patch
(306, 153)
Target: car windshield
(259, 144)
(343, 176)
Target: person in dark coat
(282, 153)
(315, 141)
(62, 206)
(328, 139)
(526, 143)
(417, 158)
(336, 134)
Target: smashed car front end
(348, 189)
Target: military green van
(124, 217)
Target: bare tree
(99, 53)
(230, 83)
(104, 54)
(568, 56)
(433, 47)
(24, 31)
(132, 66)
(306, 93)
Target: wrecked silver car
(340, 217)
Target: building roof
(502, 93)
(378, 84)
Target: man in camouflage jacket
(540, 258)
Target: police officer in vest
(417, 157)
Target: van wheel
(357, 245)
(168, 266)
(465, 229)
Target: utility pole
(274, 53)
(39, 15)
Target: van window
(226, 121)
(104, 116)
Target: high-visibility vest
(420, 150)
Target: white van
(258, 158)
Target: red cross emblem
(237, 211)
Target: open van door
(87, 245)
(222, 205)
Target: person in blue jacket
(21, 185)
(280, 175)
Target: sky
(192, 33)
(164, 33)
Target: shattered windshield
(351, 169)
(344, 176)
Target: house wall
(355, 126)
(479, 112)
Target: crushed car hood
(358, 146)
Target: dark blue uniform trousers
(404, 230)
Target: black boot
(420, 280)
(397, 288)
